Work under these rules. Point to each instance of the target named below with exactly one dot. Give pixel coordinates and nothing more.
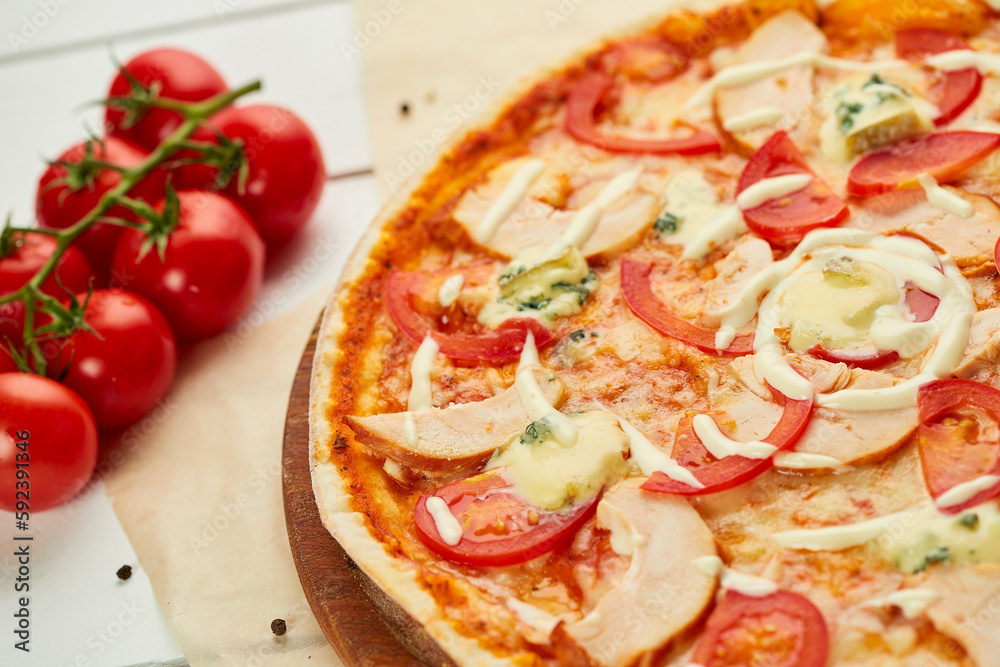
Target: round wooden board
(365, 633)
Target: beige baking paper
(448, 61)
(197, 488)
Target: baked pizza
(687, 354)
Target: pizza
(687, 354)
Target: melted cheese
(550, 474)
(513, 193)
(420, 376)
(901, 256)
(541, 287)
(945, 199)
(447, 525)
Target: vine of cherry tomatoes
(228, 198)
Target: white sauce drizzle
(731, 580)
(729, 222)
(713, 379)
(420, 376)
(447, 525)
(945, 199)
(513, 193)
(534, 403)
(410, 430)
(719, 446)
(651, 458)
(532, 616)
(911, 601)
(625, 539)
(725, 224)
(450, 289)
(964, 492)
(529, 354)
(583, 224)
(986, 63)
(744, 73)
(753, 119)
(838, 538)
(808, 461)
(904, 257)
(772, 188)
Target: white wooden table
(54, 58)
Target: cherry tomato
(286, 172)
(720, 474)
(783, 629)
(212, 271)
(944, 156)
(952, 92)
(60, 204)
(582, 105)
(791, 217)
(177, 75)
(499, 345)
(124, 371)
(47, 432)
(638, 293)
(499, 528)
(29, 251)
(956, 437)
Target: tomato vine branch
(195, 114)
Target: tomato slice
(582, 104)
(720, 474)
(868, 361)
(499, 345)
(783, 629)
(953, 91)
(958, 437)
(791, 217)
(499, 528)
(639, 296)
(944, 156)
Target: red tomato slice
(957, 437)
(580, 109)
(639, 296)
(499, 345)
(791, 217)
(499, 528)
(783, 629)
(721, 474)
(944, 156)
(868, 361)
(953, 91)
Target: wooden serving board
(363, 626)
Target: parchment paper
(449, 60)
(197, 488)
